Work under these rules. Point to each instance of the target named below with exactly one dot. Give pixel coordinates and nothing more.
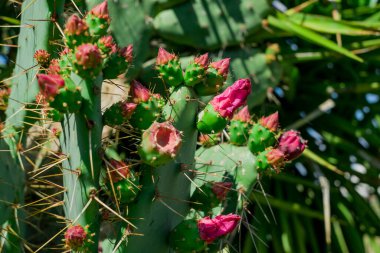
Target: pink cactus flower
(221, 66)
(127, 53)
(88, 56)
(232, 98)
(221, 189)
(128, 109)
(164, 56)
(271, 122)
(76, 26)
(50, 84)
(42, 57)
(165, 138)
(202, 60)
(211, 229)
(118, 171)
(140, 93)
(291, 144)
(101, 10)
(75, 237)
(243, 115)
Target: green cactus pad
(115, 65)
(68, 99)
(239, 132)
(65, 65)
(260, 138)
(211, 84)
(76, 40)
(171, 72)
(210, 121)
(126, 190)
(204, 199)
(194, 74)
(185, 237)
(97, 26)
(146, 113)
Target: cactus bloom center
(75, 237)
(211, 229)
(164, 57)
(291, 144)
(88, 56)
(165, 137)
(50, 84)
(232, 98)
(271, 122)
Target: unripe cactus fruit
(169, 68)
(185, 237)
(119, 113)
(68, 98)
(76, 31)
(291, 144)
(239, 127)
(214, 117)
(160, 144)
(88, 60)
(107, 45)
(50, 85)
(125, 182)
(196, 71)
(270, 158)
(216, 75)
(42, 57)
(118, 61)
(262, 134)
(211, 229)
(148, 108)
(98, 19)
(75, 238)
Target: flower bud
(291, 144)
(50, 84)
(211, 229)
(271, 122)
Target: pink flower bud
(75, 237)
(271, 122)
(127, 53)
(118, 171)
(75, 26)
(211, 229)
(202, 60)
(101, 10)
(54, 67)
(221, 189)
(50, 84)
(165, 138)
(107, 41)
(243, 115)
(232, 98)
(88, 56)
(128, 109)
(42, 57)
(221, 66)
(164, 56)
(291, 144)
(276, 158)
(140, 93)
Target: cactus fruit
(88, 61)
(262, 134)
(291, 144)
(216, 75)
(196, 71)
(125, 182)
(214, 117)
(98, 19)
(160, 144)
(270, 158)
(118, 61)
(239, 127)
(185, 237)
(169, 68)
(76, 238)
(119, 113)
(50, 85)
(76, 31)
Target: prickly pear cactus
(145, 176)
